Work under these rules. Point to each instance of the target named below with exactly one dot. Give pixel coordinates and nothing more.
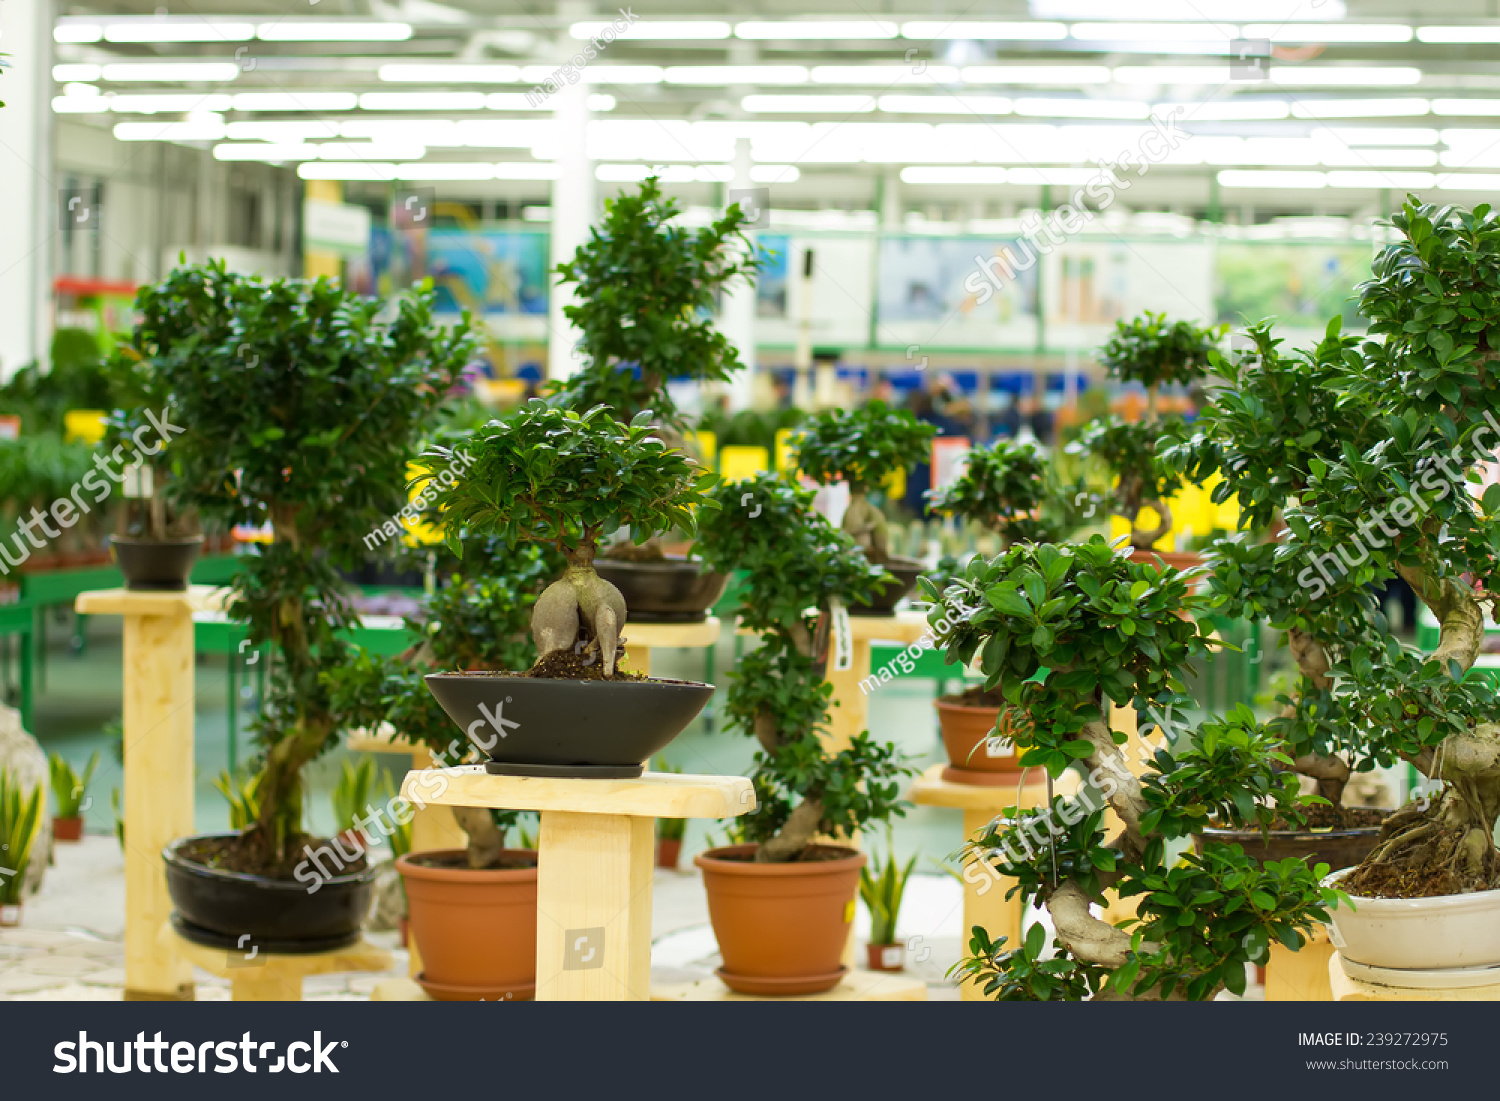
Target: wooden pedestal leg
(593, 937)
(264, 984)
(637, 658)
(432, 828)
(985, 905)
(1300, 976)
(158, 663)
(848, 718)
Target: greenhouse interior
(551, 502)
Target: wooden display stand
(1344, 989)
(640, 638)
(158, 663)
(271, 977)
(985, 903)
(596, 852)
(851, 706)
(1300, 976)
(857, 986)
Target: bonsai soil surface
(1325, 817)
(975, 696)
(567, 665)
(806, 856)
(442, 860)
(1401, 881)
(230, 854)
(647, 552)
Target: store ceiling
(1357, 98)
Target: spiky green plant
(68, 787)
(882, 887)
(20, 821)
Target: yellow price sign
(84, 424)
(738, 463)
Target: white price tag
(843, 637)
(139, 481)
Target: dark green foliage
(862, 446)
(1150, 350)
(1005, 487)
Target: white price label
(139, 481)
(843, 637)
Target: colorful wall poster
(955, 292)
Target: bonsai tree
(646, 287)
(1150, 351)
(566, 478)
(301, 409)
(863, 447)
(1004, 489)
(1065, 631)
(481, 621)
(796, 566)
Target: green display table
(17, 621)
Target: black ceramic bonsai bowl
(904, 573)
(570, 728)
(315, 910)
(155, 565)
(672, 590)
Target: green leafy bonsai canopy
(566, 478)
(1003, 488)
(863, 447)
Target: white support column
(27, 192)
(573, 192)
(737, 321)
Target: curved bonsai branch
(1145, 540)
(1331, 773)
(1459, 614)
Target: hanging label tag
(848, 911)
(843, 637)
(139, 481)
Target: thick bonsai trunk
(801, 826)
(579, 610)
(1130, 497)
(1331, 773)
(866, 525)
(486, 842)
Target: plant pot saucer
(1447, 978)
(772, 987)
(266, 945)
(465, 992)
(566, 772)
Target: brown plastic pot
(668, 852)
(67, 829)
(1336, 848)
(965, 730)
(475, 928)
(781, 928)
(886, 957)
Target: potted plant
(68, 792)
(301, 405)
(565, 479)
(1151, 351)
(863, 447)
(20, 822)
(1400, 503)
(350, 798)
(646, 288)
(782, 902)
(471, 912)
(1004, 489)
(882, 889)
(1066, 631)
(1263, 431)
(156, 541)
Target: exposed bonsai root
(1445, 849)
(866, 524)
(578, 607)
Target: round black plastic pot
(534, 726)
(902, 574)
(672, 590)
(1336, 848)
(312, 912)
(152, 565)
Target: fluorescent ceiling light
(63, 73)
(178, 30)
(1459, 34)
(598, 101)
(422, 101)
(1155, 32)
(371, 151)
(1473, 157)
(736, 74)
(446, 170)
(405, 132)
(1228, 11)
(951, 174)
(1473, 181)
(667, 173)
(208, 129)
(832, 30)
(296, 30)
(264, 151)
(1357, 108)
(1036, 74)
(89, 31)
(79, 105)
(281, 131)
(345, 170)
(662, 29)
(163, 71)
(295, 101)
(1172, 74)
(774, 173)
(829, 104)
(81, 90)
(451, 74)
(597, 74)
(1240, 178)
(983, 31)
(1379, 158)
(1083, 108)
(945, 105)
(1065, 177)
(179, 104)
(1224, 110)
(884, 74)
(517, 101)
(1328, 32)
(1382, 135)
(1347, 75)
(502, 133)
(1439, 106)
(525, 170)
(1398, 180)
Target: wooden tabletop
(197, 598)
(651, 795)
(705, 633)
(930, 789)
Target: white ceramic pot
(1447, 931)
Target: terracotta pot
(668, 852)
(67, 829)
(475, 928)
(781, 928)
(886, 957)
(403, 931)
(965, 730)
(10, 915)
